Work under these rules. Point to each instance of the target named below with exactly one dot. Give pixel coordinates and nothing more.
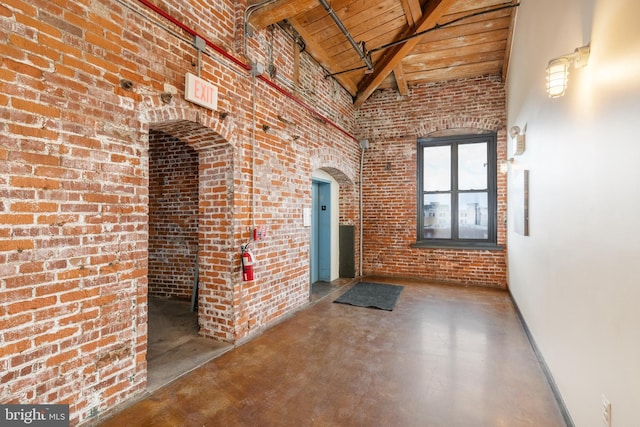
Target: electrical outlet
(606, 412)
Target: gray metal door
(321, 231)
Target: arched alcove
(345, 227)
(199, 161)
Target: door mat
(372, 295)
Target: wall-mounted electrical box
(306, 217)
(259, 233)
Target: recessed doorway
(174, 344)
(320, 231)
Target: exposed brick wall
(75, 183)
(173, 216)
(75, 187)
(392, 124)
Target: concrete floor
(320, 290)
(174, 347)
(445, 356)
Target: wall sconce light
(558, 70)
(518, 135)
(515, 133)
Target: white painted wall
(335, 221)
(576, 278)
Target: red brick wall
(393, 124)
(75, 183)
(173, 216)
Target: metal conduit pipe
(247, 15)
(365, 58)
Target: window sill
(458, 245)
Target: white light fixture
(558, 70)
(557, 77)
(514, 131)
(516, 134)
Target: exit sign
(201, 92)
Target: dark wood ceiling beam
(413, 13)
(412, 10)
(433, 11)
(279, 10)
(401, 81)
(507, 52)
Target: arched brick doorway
(202, 161)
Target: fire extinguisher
(247, 263)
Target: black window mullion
(420, 195)
(492, 184)
(454, 192)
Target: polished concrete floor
(445, 356)
(174, 347)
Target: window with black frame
(457, 196)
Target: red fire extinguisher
(247, 263)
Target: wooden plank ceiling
(437, 40)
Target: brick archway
(346, 175)
(214, 176)
(333, 162)
(458, 125)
